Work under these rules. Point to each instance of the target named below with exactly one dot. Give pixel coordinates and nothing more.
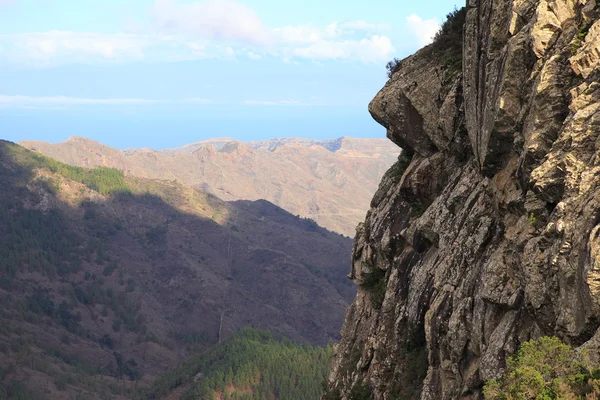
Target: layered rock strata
(486, 232)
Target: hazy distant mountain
(330, 181)
(104, 277)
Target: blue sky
(162, 73)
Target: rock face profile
(486, 232)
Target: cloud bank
(423, 30)
(214, 19)
(20, 101)
(274, 103)
(210, 29)
(64, 102)
(11, 101)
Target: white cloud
(58, 48)
(334, 41)
(47, 49)
(198, 49)
(228, 20)
(423, 30)
(60, 102)
(273, 103)
(33, 101)
(216, 19)
(197, 100)
(335, 30)
(375, 48)
(301, 34)
(54, 46)
(364, 26)
(207, 29)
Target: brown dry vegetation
(331, 182)
(108, 289)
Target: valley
(109, 280)
(458, 259)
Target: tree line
(251, 365)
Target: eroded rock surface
(486, 233)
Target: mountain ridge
(303, 176)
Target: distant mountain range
(330, 181)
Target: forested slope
(108, 281)
(251, 365)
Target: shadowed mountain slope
(108, 279)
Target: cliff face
(486, 232)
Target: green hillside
(251, 365)
(41, 239)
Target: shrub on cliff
(448, 40)
(392, 66)
(545, 369)
(450, 33)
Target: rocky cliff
(486, 232)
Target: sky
(163, 73)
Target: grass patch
(580, 38)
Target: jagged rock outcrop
(486, 232)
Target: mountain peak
(83, 140)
